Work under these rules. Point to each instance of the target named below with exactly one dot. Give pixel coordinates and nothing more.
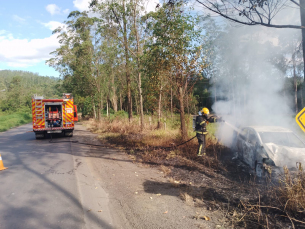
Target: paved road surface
(48, 185)
(71, 185)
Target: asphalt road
(49, 185)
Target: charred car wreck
(269, 148)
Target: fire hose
(170, 147)
(82, 143)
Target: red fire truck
(53, 115)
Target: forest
(16, 91)
(117, 57)
(138, 77)
(18, 87)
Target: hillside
(17, 88)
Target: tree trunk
(159, 108)
(136, 103)
(302, 13)
(114, 99)
(302, 104)
(107, 108)
(138, 63)
(128, 80)
(171, 99)
(100, 108)
(121, 102)
(93, 106)
(131, 101)
(295, 85)
(182, 116)
(187, 104)
(141, 101)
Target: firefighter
(201, 131)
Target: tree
(175, 47)
(257, 12)
(251, 12)
(121, 20)
(76, 59)
(115, 17)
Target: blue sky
(26, 27)
(26, 32)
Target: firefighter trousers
(201, 142)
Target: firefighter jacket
(201, 123)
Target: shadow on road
(19, 150)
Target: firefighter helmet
(205, 111)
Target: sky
(26, 27)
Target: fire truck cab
(53, 115)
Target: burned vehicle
(269, 148)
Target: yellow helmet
(205, 111)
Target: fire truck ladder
(38, 109)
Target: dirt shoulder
(170, 191)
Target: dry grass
(285, 200)
(187, 198)
(174, 182)
(148, 146)
(157, 146)
(150, 136)
(166, 171)
(291, 191)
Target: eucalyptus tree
(176, 36)
(74, 58)
(114, 17)
(122, 21)
(81, 60)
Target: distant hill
(18, 87)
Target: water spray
(233, 127)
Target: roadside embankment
(153, 144)
(220, 181)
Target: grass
(148, 146)
(8, 121)
(291, 191)
(157, 146)
(120, 131)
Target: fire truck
(53, 115)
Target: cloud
(66, 11)
(18, 19)
(53, 9)
(151, 5)
(53, 25)
(24, 52)
(81, 4)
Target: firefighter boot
(199, 154)
(201, 141)
(201, 150)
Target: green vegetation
(16, 91)
(8, 121)
(18, 87)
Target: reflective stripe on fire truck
(68, 112)
(38, 113)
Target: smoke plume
(251, 79)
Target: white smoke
(249, 84)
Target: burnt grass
(217, 182)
